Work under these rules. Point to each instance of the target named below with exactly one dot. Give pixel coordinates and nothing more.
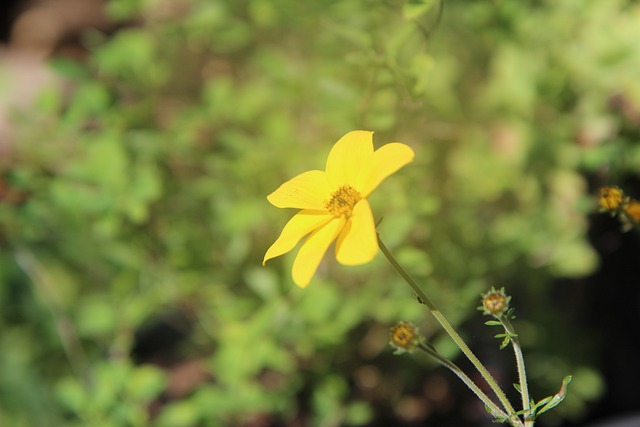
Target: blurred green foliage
(142, 191)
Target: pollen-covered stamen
(342, 201)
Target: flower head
(495, 302)
(334, 204)
(405, 337)
(611, 198)
(632, 209)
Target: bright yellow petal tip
(349, 157)
(385, 161)
(303, 223)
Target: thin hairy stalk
(522, 373)
(495, 409)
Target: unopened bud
(495, 302)
(405, 336)
(611, 198)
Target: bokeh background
(139, 138)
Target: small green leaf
(493, 323)
(505, 342)
(534, 407)
(517, 387)
(519, 413)
(558, 397)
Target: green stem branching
(514, 420)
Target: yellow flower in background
(611, 198)
(633, 210)
(334, 204)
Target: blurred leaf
(96, 317)
(119, 10)
(414, 9)
(179, 414)
(146, 383)
(262, 281)
(358, 413)
(71, 394)
(326, 400)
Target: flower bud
(405, 336)
(633, 210)
(495, 302)
(611, 198)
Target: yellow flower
(633, 210)
(334, 204)
(611, 198)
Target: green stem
(495, 410)
(522, 373)
(451, 331)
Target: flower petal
(302, 223)
(309, 190)
(358, 242)
(348, 157)
(385, 161)
(313, 250)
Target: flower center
(342, 201)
